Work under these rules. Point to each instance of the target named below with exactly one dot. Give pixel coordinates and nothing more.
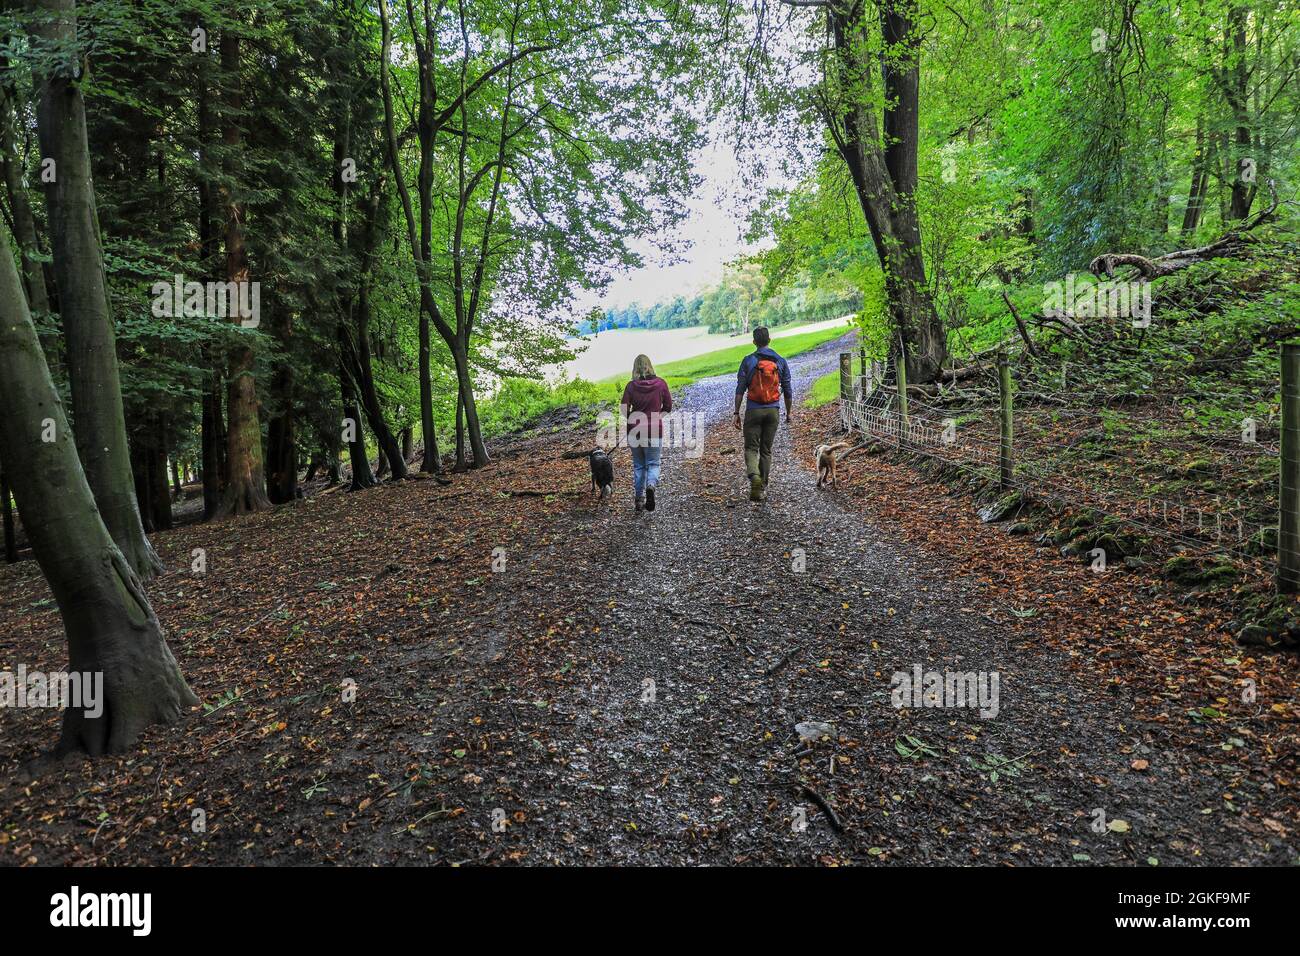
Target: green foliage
(520, 402)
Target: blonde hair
(641, 367)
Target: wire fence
(1212, 508)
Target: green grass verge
(824, 390)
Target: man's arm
(786, 390)
(742, 383)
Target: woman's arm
(668, 396)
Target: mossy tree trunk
(110, 624)
(83, 291)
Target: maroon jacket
(650, 396)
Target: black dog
(602, 471)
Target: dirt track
(626, 690)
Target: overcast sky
(713, 233)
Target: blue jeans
(645, 468)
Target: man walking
(764, 377)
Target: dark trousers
(760, 432)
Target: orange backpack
(765, 381)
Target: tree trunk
(460, 353)
(885, 175)
(1236, 88)
(408, 443)
(356, 441)
(112, 629)
(19, 203)
(461, 464)
(160, 502)
(212, 429)
(1200, 180)
(282, 450)
(213, 436)
(7, 510)
(245, 476)
(365, 379)
(83, 295)
(361, 474)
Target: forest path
(682, 747)
(625, 688)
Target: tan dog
(826, 462)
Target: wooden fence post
(846, 376)
(1288, 539)
(1004, 445)
(900, 364)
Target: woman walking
(645, 400)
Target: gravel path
(712, 647)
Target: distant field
(521, 401)
(610, 353)
(724, 361)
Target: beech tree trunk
(245, 490)
(83, 294)
(111, 627)
(884, 168)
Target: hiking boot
(650, 498)
(639, 501)
(756, 489)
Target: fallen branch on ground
(826, 808)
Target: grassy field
(726, 361)
(522, 401)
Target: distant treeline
(730, 307)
